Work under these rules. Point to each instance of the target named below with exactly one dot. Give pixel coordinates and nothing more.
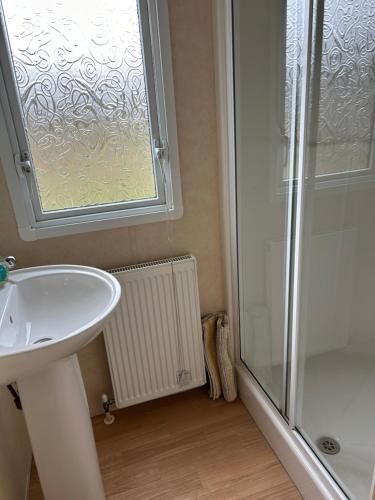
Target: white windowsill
(64, 226)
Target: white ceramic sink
(50, 312)
(46, 315)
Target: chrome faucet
(6, 265)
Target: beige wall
(196, 232)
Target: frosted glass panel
(347, 91)
(80, 74)
(345, 69)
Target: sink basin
(47, 314)
(50, 312)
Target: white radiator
(153, 339)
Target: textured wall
(197, 232)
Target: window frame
(32, 222)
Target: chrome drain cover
(328, 445)
(44, 339)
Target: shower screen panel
(266, 62)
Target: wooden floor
(186, 447)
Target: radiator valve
(107, 403)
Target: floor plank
(186, 447)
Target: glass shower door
(266, 55)
(336, 333)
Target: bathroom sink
(48, 313)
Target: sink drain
(44, 339)
(328, 445)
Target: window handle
(23, 166)
(160, 149)
(161, 154)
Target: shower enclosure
(304, 101)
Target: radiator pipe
(107, 403)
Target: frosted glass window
(345, 73)
(347, 92)
(80, 73)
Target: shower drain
(328, 445)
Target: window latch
(160, 149)
(23, 163)
(161, 152)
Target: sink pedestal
(58, 420)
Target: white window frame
(32, 223)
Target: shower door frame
(302, 464)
